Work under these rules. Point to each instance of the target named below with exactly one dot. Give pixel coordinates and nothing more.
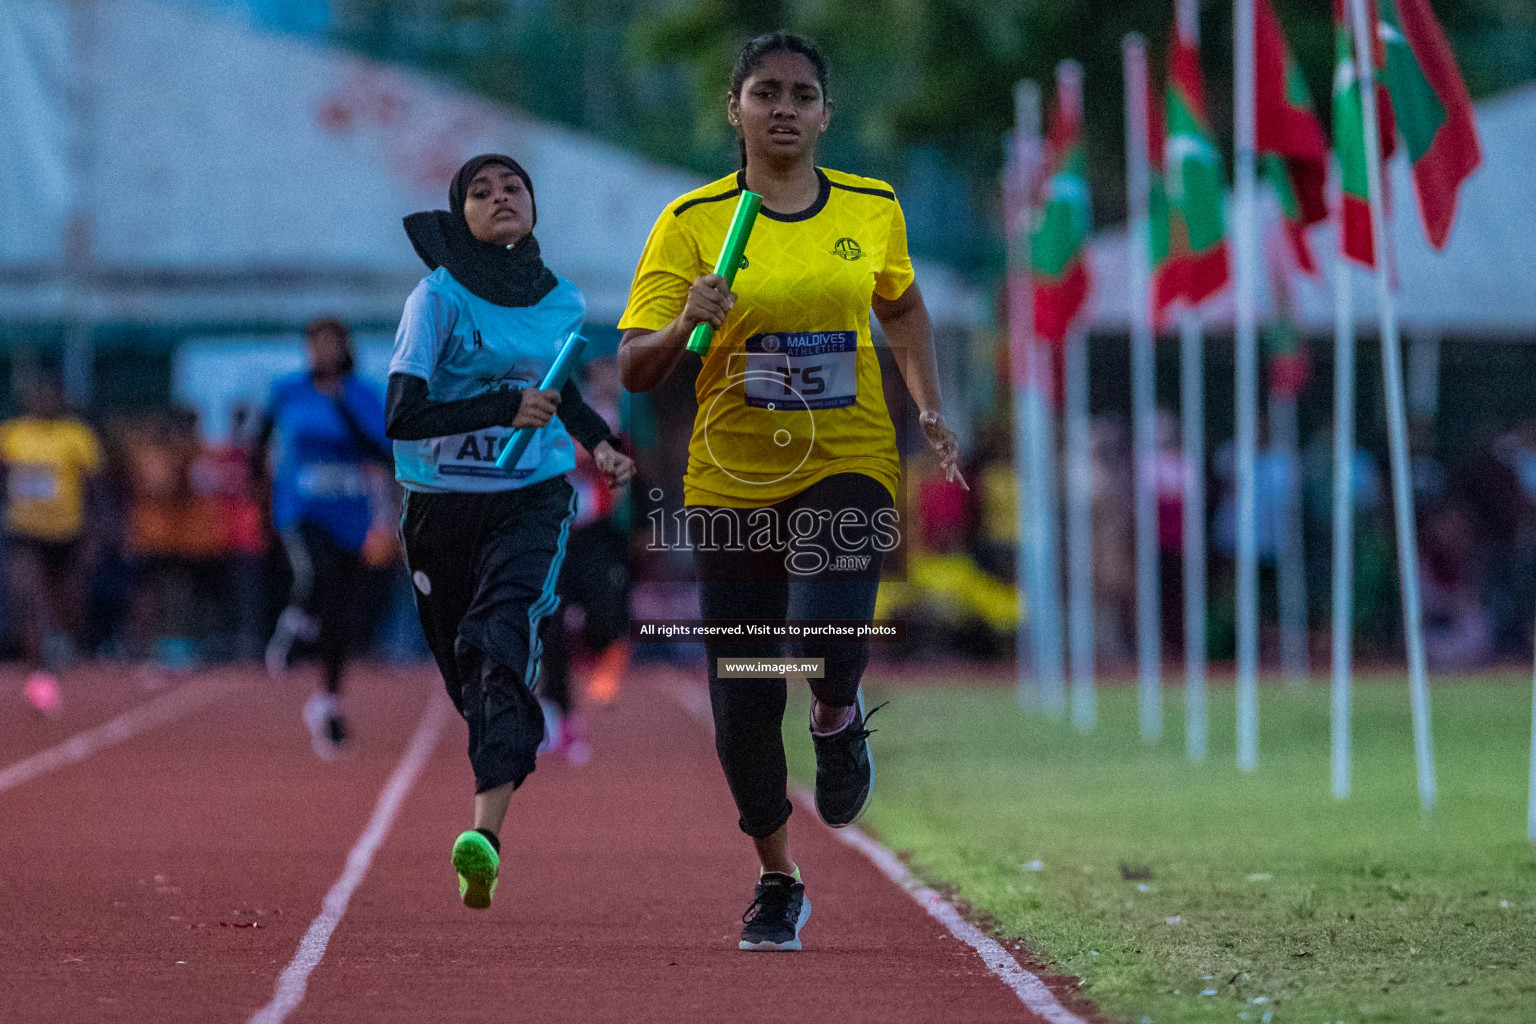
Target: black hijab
(505, 275)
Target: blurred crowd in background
(162, 543)
(1476, 509)
(165, 548)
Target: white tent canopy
(223, 174)
(1482, 285)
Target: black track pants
(483, 568)
(749, 713)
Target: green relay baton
(730, 259)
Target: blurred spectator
(222, 471)
(176, 540)
(1114, 555)
(49, 461)
(1377, 607)
(1274, 474)
(1458, 631)
(1496, 486)
(1169, 476)
(1272, 478)
(996, 496)
(1429, 476)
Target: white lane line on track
(163, 709)
(292, 983)
(1036, 996)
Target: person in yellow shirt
(793, 465)
(48, 462)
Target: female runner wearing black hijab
(484, 545)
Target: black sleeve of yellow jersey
(582, 421)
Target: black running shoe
(779, 910)
(845, 772)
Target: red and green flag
(1355, 239)
(1432, 110)
(1060, 244)
(1292, 151)
(1192, 174)
(1422, 97)
(1166, 267)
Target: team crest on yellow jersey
(848, 249)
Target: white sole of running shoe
(792, 946)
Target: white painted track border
(294, 980)
(1036, 996)
(150, 715)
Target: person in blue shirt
(485, 545)
(324, 428)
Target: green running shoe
(477, 863)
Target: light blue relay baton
(558, 374)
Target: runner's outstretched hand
(616, 466)
(945, 444)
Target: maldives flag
(1432, 110)
(1166, 266)
(1290, 143)
(1059, 245)
(1355, 239)
(1421, 95)
(1193, 177)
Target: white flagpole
(1290, 554)
(1023, 169)
(1079, 479)
(1247, 388)
(1192, 387)
(1397, 417)
(1143, 391)
(1048, 639)
(1078, 474)
(1192, 413)
(1343, 512)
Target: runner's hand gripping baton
(730, 259)
(558, 374)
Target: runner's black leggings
(745, 584)
(483, 568)
(327, 587)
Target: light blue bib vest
(487, 348)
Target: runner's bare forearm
(909, 334)
(646, 358)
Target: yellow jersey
(46, 463)
(789, 392)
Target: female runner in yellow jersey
(793, 459)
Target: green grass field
(1194, 893)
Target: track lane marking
(294, 980)
(1036, 996)
(162, 710)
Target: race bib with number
(797, 371)
(34, 483)
(331, 480)
(475, 454)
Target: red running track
(171, 876)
